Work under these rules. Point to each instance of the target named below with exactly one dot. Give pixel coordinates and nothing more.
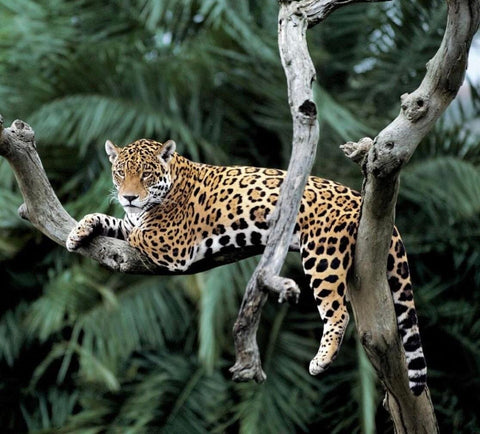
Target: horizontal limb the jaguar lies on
(187, 216)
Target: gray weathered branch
(392, 148)
(296, 60)
(293, 20)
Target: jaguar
(187, 216)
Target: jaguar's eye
(120, 173)
(146, 175)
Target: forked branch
(390, 150)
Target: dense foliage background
(90, 351)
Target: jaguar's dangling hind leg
(326, 264)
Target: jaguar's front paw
(81, 232)
(74, 240)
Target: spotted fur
(187, 216)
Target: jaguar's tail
(398, 274)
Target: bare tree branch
(392, 148)
(293, 20)
(296, 60)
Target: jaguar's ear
(167, 151)
(111, 150)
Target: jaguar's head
(141, 173)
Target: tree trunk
(369, 292)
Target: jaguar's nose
(130, 198)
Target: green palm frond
(170, 393)
(50, 411)
(7, 177)
(67, 295)
(443, 194)
(446, 197)
(217, 309)
(12, 333)
(92, 371)
(219, 293)
(100, 188)
(103, 323)
(403, 38)
(14, 234)
(112, 334)
(455, 134)
(344, 123)
(462, 318)
(460, 328)
(28, 23)
(286, 398)
(448, 188)
(93, 117)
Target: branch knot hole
(308, 108)
(414, 106)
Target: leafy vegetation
(88, 351)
